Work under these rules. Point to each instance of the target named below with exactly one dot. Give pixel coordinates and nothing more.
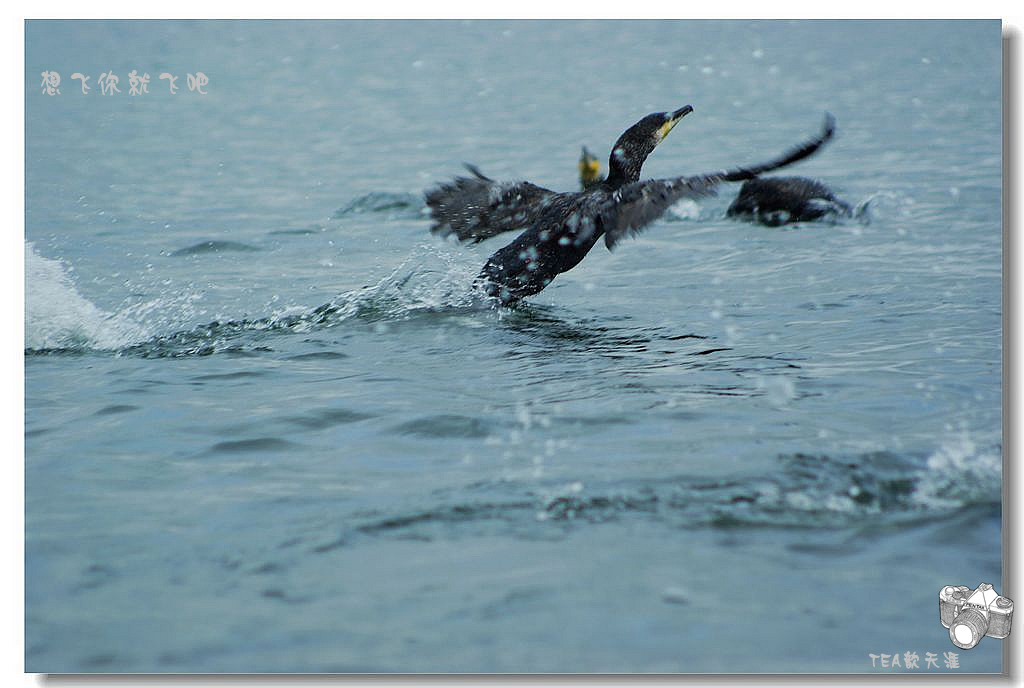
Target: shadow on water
(391, 204)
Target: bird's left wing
(641, 203)
(478, 207)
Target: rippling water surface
(269, 426)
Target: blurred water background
(269, 427)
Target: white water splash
(882, 205)
(960, 472)
(684, 209)
(57, 316)
(429, 279)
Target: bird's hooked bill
(673, 118)
(685, 110)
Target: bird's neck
(617, 178)
(623, 168)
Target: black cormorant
(775, 201)
(561, 228)
(772, 201)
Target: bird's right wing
(478, 207)
(638, 204)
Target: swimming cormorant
(561, 228)
(590, 170)
(774, 201)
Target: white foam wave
(58, 316)
(960, 472)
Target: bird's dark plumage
(561, 228)
(775, 201)
(477, 208)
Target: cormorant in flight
(561, 228)
(774, 201)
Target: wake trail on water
(804, 491)
(58, 319)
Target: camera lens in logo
(968, 628)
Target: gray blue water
(270, 428)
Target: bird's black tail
(802, 151)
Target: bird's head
(637, 142)
(590, 169)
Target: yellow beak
(673, 120)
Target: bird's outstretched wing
(478, 207)
(638, 204)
